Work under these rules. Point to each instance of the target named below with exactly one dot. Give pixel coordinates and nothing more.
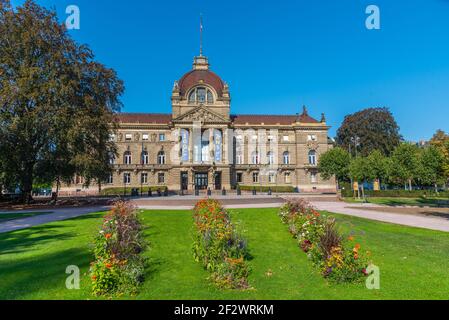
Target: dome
(201, 75)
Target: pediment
(201, 114)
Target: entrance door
(184, 180)
(217, 180)
(201, 181)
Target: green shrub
(119, 191)
(219, 247)
(348, 193)
(118, 267)
(275, 189)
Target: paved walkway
(55, 215)
(412, 220)
(186, 203)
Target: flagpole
(201, 35)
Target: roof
(196, 77)
(254, 119)
(272, 119)
(144, 118)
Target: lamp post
(356, 141)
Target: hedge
(121, 190)
(348, 193)
(281, 189)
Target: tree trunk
(58, 186)
(99, 187)
(410, 184)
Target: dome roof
(196, 77)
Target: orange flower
(351, 238)
(94, 277)
(108, 265)
(108, 236)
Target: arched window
(145, 157)
(286, 157)
(255, 158)
(161, 157)
(127, 158)
(201, 95)
(270, 157)
(192, 97)
(312, 157)
(210, 97)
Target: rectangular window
(110, 179)
(286, 138)
(162, 137)
(311, 137)
(288, 178)
(144, 178)
(272, 177)
(161, 178)
(239, 159)
(112, 137)
(127, 178)
(256, 177)
(239, 177)
(313, 177)
(128, 137)
(145, 137)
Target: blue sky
(279, 55)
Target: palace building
(202, 145)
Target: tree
(441, 141)
(334, 162)
(377, 166)
(358, 172)
(375, 128)
(430, 170)
(49, 88)
(405, 164)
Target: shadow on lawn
(44, 274)
(24, 240)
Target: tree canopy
(335, 162)
(56, 101)
(368, 130)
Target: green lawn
(421, 202)
(14, 216)
(412, 261)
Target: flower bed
(118, 267)
(338, 259)
(219, 247)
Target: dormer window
(201, 95)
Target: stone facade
(202, 145)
